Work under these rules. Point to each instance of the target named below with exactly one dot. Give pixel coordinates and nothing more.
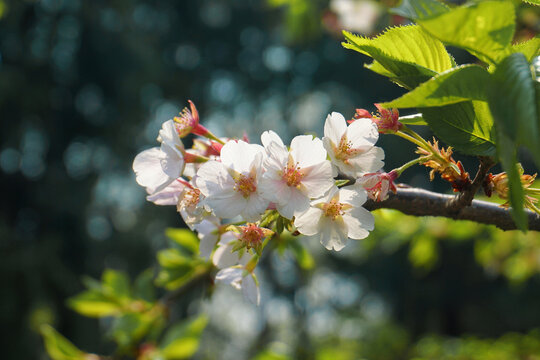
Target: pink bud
(379, 184)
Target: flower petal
(318, 179)
(270, 136)
(148, 171)
(359, 222)
(167, 196)
(297, 203)
(251, 290)
(307, 150)
(224, 257)
(354, 195)
(333, 234)
(308, 223)
(370, 161)
(240, 156)
(362, 133)
(172, 161)
(334, 127)
(231, 276)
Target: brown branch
(419, 202)
(466, 197)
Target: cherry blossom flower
(294, 176)
(239, 278)
(231, 186)
(387, 121)
(337, 216)
(351, 148)
(378, 184)
(188, 122)
(225, 255)
(168, 195)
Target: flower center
(252, 235)
(191, 198)
(333, 209)
(184, 123)
(345, 149)
(292, 174)
(245, 185)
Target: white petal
(370, 161)
(250, 290)
(334, 127)
(274, 190)
(270, 136)
(172, 161)
(227, 204)
(319, 179)
(148, 171)
(168, 134)
(240, 156)
(334, 234)
(213, 177)
(354, 195)
(359, 222)
(276, 159)
(224, 257)
(297, 203)
(362, 133)
(207, 233)
(308, 223)
(168, 196)
(307, 151)
(255, 206)
(231, 276)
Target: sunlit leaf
(485, 29)
(143, 287)
(58, 347)
(466, 126)
(116, 284)
(529, 48)
(419, 9)
(415, 119)
(513, 103)
(185, 238)
(408, 52)
(94, 304)
(182, 340)
(467, 82)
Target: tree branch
(466, 197)
(419, 202)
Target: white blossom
(294, 176)
(231, 187)
(351, 148)
(337, 216)
(239, 278)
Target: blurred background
(86, 85)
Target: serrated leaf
(513, 103)
(415, 119)
(507, 153)
(58, 347)
(529, 48)
(466, 126)
(467, 82)
(94, 304)
(419, 9)
(533, 2)
(408, 52)
(185, 238)
(485, 29)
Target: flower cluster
(220, 184)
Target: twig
(419, 202)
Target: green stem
(405, 166)
(211, 136)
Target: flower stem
(405, 166)
(211, 136)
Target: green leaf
(507, 152)
(131, 328)
(143, 287)
(529, 48)
(185, 238)
(342, 182)
(407, 52)
(115, 284)
(466, 126)
(513, 103)
(415, 119)
(304, 258)
(419, 9)
(279, 225)
(172, 258)
(467, 82)
(58, 347)
(485, 28)
(182, 340)
(533, 2)
(92, 303)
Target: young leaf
(58, 347)
(115, 284)
(485, 28)
(419, 9)
(94, 304)
(185, 238)
(529, 48)
(467, 82)
(466, 126)
(182, 340)
(143, 287)
(405, 51)
(513, 103)
(415, 119)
